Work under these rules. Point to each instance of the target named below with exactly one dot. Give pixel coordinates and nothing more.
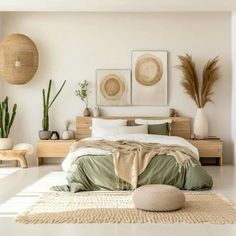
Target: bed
(121, 157)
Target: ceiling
(118, 5)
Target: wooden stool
(14, 155)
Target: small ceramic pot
(87, 112)
(96, 112)
(6, 143)
(72, 134)
(44, 135)
(54, 135)
(66, 135)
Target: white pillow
(152, 122)
(142, 129)
(99, 132)
(99, 122)
(111, 131)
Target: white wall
(73, 45)
(233, 123)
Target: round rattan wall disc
(112, 87)
(18, 59)
(148, 70)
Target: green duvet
(93, 173)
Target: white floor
(20, 187)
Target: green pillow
(160, 129)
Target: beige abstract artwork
(113, 87)
(149, 78)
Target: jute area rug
(117, 207)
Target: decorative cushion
(159, 127)
(98, 124)
(152, 122)
(158, 197)
(142, 129)
(110, 131)
(102, 123)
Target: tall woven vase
(200, 127)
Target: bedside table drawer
(53, 148)
(208, 148)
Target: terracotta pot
(87, 112)
(6, 143)
(44, 135)
(200, 126)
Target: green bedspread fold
(92, 172)
(131, 158)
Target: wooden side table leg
(15, 163)
(221, 161)
(40, 161)
(23, 162)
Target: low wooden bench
(14, 155)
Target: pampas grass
(190, 82)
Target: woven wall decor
(149, 78)
(18, 59)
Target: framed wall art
(149, 78)
(113, 87)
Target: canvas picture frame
(149, 78)
(113, 87)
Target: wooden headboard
(181, 126)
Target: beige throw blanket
(131, 158)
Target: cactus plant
(47, 104)
(6, 119)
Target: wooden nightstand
(52, 149)
(209, 148)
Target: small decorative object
(54, 135)
(68, 134)
(149, 78)
(96, 112)
(172, 112)
(45, 134)
(176, 114)
(87, 112)
(113, 87)
(72, 134)
(18, 59)
(200, 94)
(6, 121)
(82, 92)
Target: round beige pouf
(158, 197)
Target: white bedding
(145, 138)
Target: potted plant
(6, 121)
(201, 95)
(46, 133)
(82, 92)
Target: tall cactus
(6, 119)
(47, 104)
